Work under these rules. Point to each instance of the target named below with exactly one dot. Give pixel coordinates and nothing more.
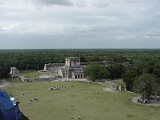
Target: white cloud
(7, 28)
(80, 3)
(106, 23)
(100, 4)
(52, 2)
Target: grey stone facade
(70, 69)
(53, 66)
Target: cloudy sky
(51, 24)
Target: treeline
(118, 61)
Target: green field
(35, 74)
(82, 99)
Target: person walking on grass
(79, 117)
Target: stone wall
(53, 67)
(23, 79)
(27, 70)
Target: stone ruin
(53, 67)
(114, 86)
(70, 69)
(14, 72)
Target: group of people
(33, 100)
(54, 88)
(59, 88)
(143, 101)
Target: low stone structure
(54, 67)
(114, 86)
(38, 79)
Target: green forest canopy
(118, 61)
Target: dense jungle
(117, 61)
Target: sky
(78, 24)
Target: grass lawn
(121, 83)
(35, 74)
(32, 74)
(82, 99)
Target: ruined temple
(14, 72)
(70, 69)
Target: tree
(156, 70)
(145, 85)
(95, 71)
(158, 86)
(116, 71)
(129, 78)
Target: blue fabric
(3, 96)
(8, 110)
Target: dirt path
(4, 83)
(108, 90)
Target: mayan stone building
(70, 69)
